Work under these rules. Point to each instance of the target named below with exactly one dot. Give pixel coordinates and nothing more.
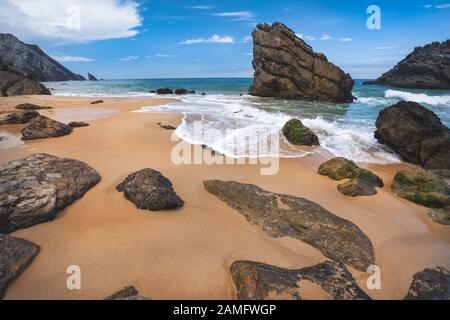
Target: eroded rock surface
(422, 187)
(296, 133)
(43, 127)
(260, 281)
(286, 67)
(17, 117)
(430, 284)
(78, 124)
(362, 182)
(15, 256)
(33, 189)
(281, 215)
(148, 189)
(164, 91)
(30, 106)
(12, 84)
(416, 134)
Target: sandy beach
(186, 253)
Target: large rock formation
(427, 67)
(15, 256)
(148, 189)
(416, 134)
(281, 215)
(260, 281)
(33, 189)
(286, 67)
(430, 284)
(32, 61)
(43, 128)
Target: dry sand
(186, 253)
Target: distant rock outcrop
(91, 77)
(282, 215)
(416, 134)
(286, 67)
(427, 67)
(32, 61)
(33, 189)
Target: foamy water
(343, 129)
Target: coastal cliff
(287, 67)
(427, 67)
(32, 62)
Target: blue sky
(185, 38)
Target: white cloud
(326, 37)
(159, 55)
(201, 7)
(70, 20)
(438, 6)
(65, 58)
(345, 39)
(248, 54)
(247, 39)
(384, 48)
(214, 39)
(238, 15)
(129, 58)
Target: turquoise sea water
(343, 129)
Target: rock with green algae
(296, 133)
(440, 216)
(362, 183)
(422, 187)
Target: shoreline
(186, 253)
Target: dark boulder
(441, 216)
(416, 134)
(164, 91)
(33, 189)
(166, 126)
(18, 117)
(43, 128)
(430, 284)
(182, 91)
(260, 281)
(30, 106)
(12, 84)
(427, 67)
(15, 256)
(127, 293)
(148, 189)
(286, 67)
(281, 215)
(422, 187)
(362, 182)
(97, 102)
(78, 124)
(296, 133)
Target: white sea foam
(419, 97)
(221, 112)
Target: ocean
(344, 130)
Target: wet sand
(186, 253)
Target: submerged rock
(30, 106)
(296, 133)
(182, 91)
(286, 67)
(362, 182)
(148, 189)
(33, 189)
(427, 67)
(18, 117)
(430, 284)
(422, 187)
(260, 281)
(43, 127)
(78, 124)
(416, 134)
(127, 293)
(15, 256)
(281, 215)
(164, 91)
